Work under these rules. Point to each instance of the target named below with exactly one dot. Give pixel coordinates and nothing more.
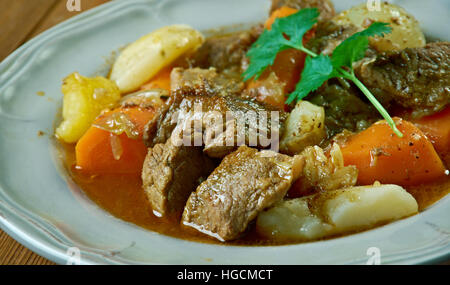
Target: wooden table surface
(21, 20)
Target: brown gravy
(123, 197)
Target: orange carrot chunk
(100, 151)
(437, 128)
(279, 13)
(382, 156)
(161, 80)
(287, 67)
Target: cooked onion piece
(336, 212)
(323, 173)
(153, 98)
(84, 99)
(120, 121)
(405, 28)
(142, 59)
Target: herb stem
(351, 76)
(372, 100)
(307, 51)
(300, 47)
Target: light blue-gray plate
(41, 208)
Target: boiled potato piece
(84, 99)
(292, 220)
(141, 60)
(406, 31)
(305, 126)
(336, 212)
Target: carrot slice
(100, 151)
(382, 156)
(161, 80)
(287, 67)
(283, 11)
(437, 128)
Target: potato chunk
(305, 126)
(336, 212)
(84, 99)
(406, 31)
(141, 60)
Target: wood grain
(21, 20)
(18, 18)
(59, 13)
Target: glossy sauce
(123, 197)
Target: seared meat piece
(343, 108)
(170, 174)
(219, 123)
(326, 7)
(328, 36)
(416, 78)
(205, 81)
(225, 52)
(244, 184)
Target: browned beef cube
(205, 81)
(224, 122)
(244, 184)
(415, 78)
(329, 35)
(226, 52)
(170, 173)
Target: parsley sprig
(288, 32)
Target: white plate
(46, 212)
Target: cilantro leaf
(317, 70)
(354, 47)
(288, 32)
(264, 51)
(296, 25)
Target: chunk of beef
(415, 78)
(344, 110)
(225, 52)
(244, 184)
(328, 36)
(170, 173)
(326, 7)
(219, 123)
(205, 81)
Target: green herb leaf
(288, 32)
(354, 47)
(296, 25)
(317, 70)
(264, 51)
